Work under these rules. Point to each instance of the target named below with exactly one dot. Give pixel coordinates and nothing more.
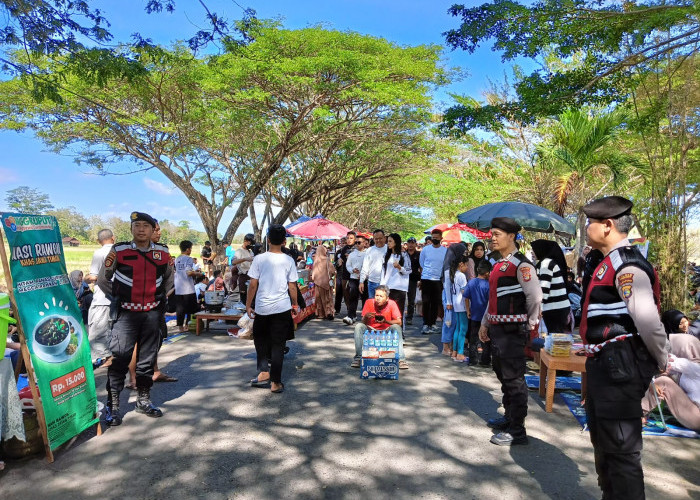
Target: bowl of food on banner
(56, 335)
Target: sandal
(278, 391)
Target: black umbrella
(531, 217)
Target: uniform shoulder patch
(157, 255)
(504, 266)
(525, 272)
(625, 281)
(111, 256)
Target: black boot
(112, 415)
(144, 405)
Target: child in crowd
(200, 288)
(458, 280)
(476, 297)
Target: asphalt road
(332, 435)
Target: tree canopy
(597, 43)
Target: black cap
(142, 216)
(411, 240)
(610, 207)
(506, 224)
(249, 237)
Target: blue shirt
(477, 291)
(431, 260)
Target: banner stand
(25, 355)
(26, 358)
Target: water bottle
(395, 340)
(365, 341)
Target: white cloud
(158, 187)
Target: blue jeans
(371, 288)
(361, 328)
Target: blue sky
(408, 22)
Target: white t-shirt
(274, 272)
(184, 285)
(460, 282)
(199, 289)
(243, 267)
(98, 259)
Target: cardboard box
(380, 368)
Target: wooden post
(25, 355)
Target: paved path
(332, 435)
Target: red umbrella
(319, 229)
(481, 235)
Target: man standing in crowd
(273, 283)
(430, 261)
(98, 315)
(185, 296)
(142, 273)
(372, 266)
(513, 312)
(625, 342)
(413, 278)
(208, 257)
(379, 313)
(354, 266)
(242, 259)
(342, 274)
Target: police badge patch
(601, 272)
(156, 256)
(625, 281)
(504, 267)
(525, 272)
(109, 260)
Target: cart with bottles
(380, 355)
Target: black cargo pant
(411, 297)
(614, 415)
(432, 299)
(508, 360)
(353, 292)
(339, 292)
(270, 333)
(131, 327)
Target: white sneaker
(435, 329)
(347, 320)
(426, 329)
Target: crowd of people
(491, 299)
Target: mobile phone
(379, 318)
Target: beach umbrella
(456, 235)
(301, 219)
(319, 229)
(480, 235)
(531, 217)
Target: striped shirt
(554, 296)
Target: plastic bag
(246, 327)
(448, 317)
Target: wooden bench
(548, 374)
(205, 316)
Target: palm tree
(584, 147)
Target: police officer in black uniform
(625, 343)
(515, 298)
(136, 275)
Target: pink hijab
(322, 270)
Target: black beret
(142, 216)
(506, 224)
(610, 207)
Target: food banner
(52, 324)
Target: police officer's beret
(610, 207)
(506, 224)
(142, 216)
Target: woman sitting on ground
(675, 321)
(680, 385)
